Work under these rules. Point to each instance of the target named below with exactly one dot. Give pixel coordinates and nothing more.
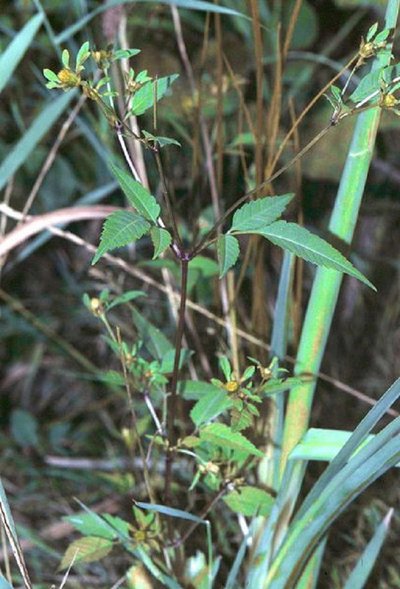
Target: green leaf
(193, 390)
(50, 75)
(154, 339)
(65, 58)
(119, 229)
(161, 239)
(24, 428)
(250, 501)
(15, 51)
(228, 253)
(20, 152)
(130, 295)
(222, 435)
(210, 406)
(82, 56)
(171, 511)
(310, 247)
(258, 213)
(145, 97)
(359, 575)
(86, 549)
(107, 526)
(138, 196)
(371, 32)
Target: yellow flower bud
(68, 78)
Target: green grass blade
(309, 578)
(188, 4)
(15, 51)
(40, 126)
(170, 511)
(366, 562)
(359, 435)
(306, 531)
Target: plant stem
(172, 398)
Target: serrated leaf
(210, 406)
(222, 435)
(161, 239)
(240, 419)
(250, 501)
(119, 229)
(310, 247)
(228, 252)
(258, 213)
(86, 549)
(193, 390)
(144, 98)
(138, 196)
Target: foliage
(214, 464)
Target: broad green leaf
(222, 435)
(310, 247)
(228, 253)
(138, 196)
(155, 341)
(258, 213)
(210, 406)
(322, 444)
(86, 549)
(15, 51)
(161, 239)
(249, 501)
(167, 364)
(107, 526)
(365, 563)
(193, 390)
(145, 97)
(24, 428)
(20, 152)
(119, 229)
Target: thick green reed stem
(326, 285)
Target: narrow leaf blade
(15, 51)
(24, 147)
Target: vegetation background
(53, 411)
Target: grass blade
(40, 126)
(15, 51)
(188, 4)
(363, 568)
